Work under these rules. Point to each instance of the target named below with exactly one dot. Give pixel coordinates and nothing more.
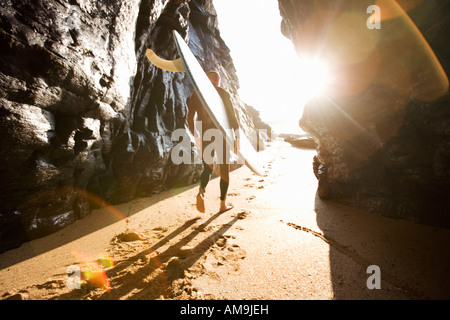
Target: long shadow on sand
(151, 275)
(413, 258)
(98, 219)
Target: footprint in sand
(159, 232)
(202, 228)
(226, 254)
(221, 242)
(234, 268)
(128, 236)
(235, 252)
(232, 258)
(127, 243)
(17, 296)
(242, 214)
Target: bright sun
(275, 79)
(313, 78)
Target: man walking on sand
(195, 107)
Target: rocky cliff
(85, 118)
(382, 129)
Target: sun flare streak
(313, 78)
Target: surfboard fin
(168, 65)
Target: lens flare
(93, 270)
(105, 260)
(313, 77)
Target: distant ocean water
(281, 127)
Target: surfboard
(168, 65)
(210, 99)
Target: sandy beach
(280, 241)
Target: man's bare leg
(224, 182)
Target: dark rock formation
(383, 129)
(85, 118)
(264, 130)
(302, 142)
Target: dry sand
(280, 241)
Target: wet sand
(280, 241)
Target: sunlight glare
(313, 78)
(273, 77)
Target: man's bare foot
(225, 207)
(200, 202)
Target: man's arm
(234, 123)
